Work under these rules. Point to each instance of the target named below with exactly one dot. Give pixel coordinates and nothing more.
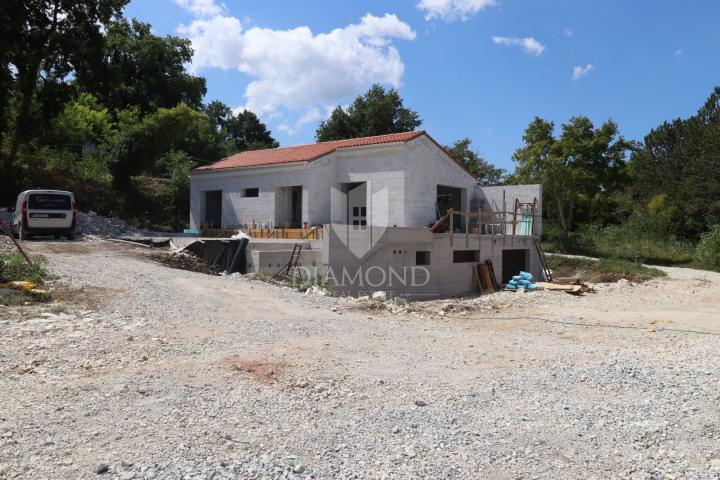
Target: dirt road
(148, 372)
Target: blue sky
(471, 68)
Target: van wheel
(71, 235)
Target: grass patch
(15, 268)
(302, 281)
(58, 309)
(625, 243)
(605, 270)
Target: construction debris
(317, 290)
(575, 289)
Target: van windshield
(49, 201)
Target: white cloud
(529, 44)
(450, 10)
(202, 8)
(312, 115)
(679, 52)
(580, 71)
(296, 69)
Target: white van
(44, 212)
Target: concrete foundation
(407, 262)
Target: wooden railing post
(451, 212)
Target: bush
(14, 267)
(707, 253)
(626, 241)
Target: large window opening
(447, 198)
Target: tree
(580, 165)
(484, 172)
(240, 132)
(84, 123)
(680, 159)
(52, 37)
(377, 112)
(142, 69)
(145, 145)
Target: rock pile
(91, 223)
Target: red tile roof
(303, 153)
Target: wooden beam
(451, 212)
(437, 225)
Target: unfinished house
(392, 212)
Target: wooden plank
(467, 231)
(560, 288)
(487, 281)
(451, 212)
(491, 269)
(477, 278)
(437, 225)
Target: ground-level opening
(513, 261)
(213, 209)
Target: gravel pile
(152, 372)
(91, 223)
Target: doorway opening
(357, 212)
(513, 262)
(289, 201)
(296, 207)
(213, 209)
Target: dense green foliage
(97, 104)
(582, 170)
(607, 197)
(377, 112)
(681, 161)
(486, 173)
(708, 249)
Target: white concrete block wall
(428, 167)
(493, 197)
(383, 167)
(238, 209)
(397, 249)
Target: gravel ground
(142, 371)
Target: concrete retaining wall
(390, 263)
